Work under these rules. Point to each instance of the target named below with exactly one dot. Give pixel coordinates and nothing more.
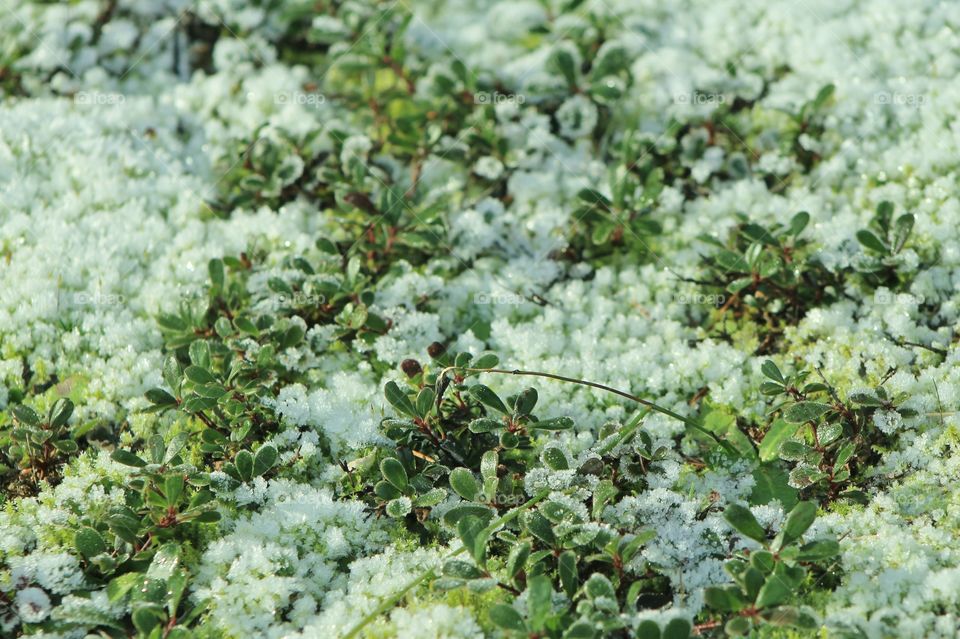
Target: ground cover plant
(557, 319)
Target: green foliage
(766, 276)
(463, 439)
(882, 243)
(36, 445)
(768, 582)
(823, 438)
(136, 551)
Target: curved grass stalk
(689, 421)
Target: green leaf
(648, 629)
(245, 325)
(871, 241)
(146, 617)
(779, 432)
(563, 62)
(265, 459)
(506, 617)
(124, 526)
(509, 440)
(799, 222)
(89, 542)
(744, 522)
(200, 353)
(199, 375)
(398, 508)
(824, 94)
(829, 433)
(488, 465)
(526, 401)
(555, 423)
(398, 399)
(762, 560)
(453, 516)
(802, 412)
(156, 446)
(517, 559)
(539, 526)
(472, 532)
(724, 599)
(599, 586)
(118, 587)
(539, 601)
(677, 629)
(865, 399)
(176, 444)
(244, 463)
(173, 489)
(292, 336)
(61, 412)
(799, 519)
(394, 472)
(770, 369)
(884, 212)
(484, 425)
(425, 401)
(461, 569)
(602, 494)
(803, 476)
(66, 446)
(208, 517)
(795, 451)
(386, 491)
(125, 457)
(463, 483)
(160, 397)
(790, 616)
(25, 415)
(177, 585)
(843, 456)
(215, 269)
(171, 323)
(487, 397)
(901, 231)
(819, 550)
(779, 586)
(738, 626)
(487, 360)
(277, 285)
(172, 373)
(554, 458)
(581, 629)
(567, 569)
(759, 234)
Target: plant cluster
(256, 214)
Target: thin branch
(689, 421)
